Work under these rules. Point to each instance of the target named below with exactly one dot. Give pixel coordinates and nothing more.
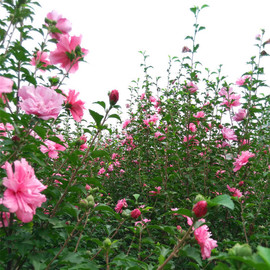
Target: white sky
(115, 30)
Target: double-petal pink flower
(22, 195)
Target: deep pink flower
(135, 213)
(202, 235)
(120, 204)
(22, 195)
(87, 187)
(75, 106)
(152, 99)
(44, 102)
(68, 53)
(228, 134)
(62, 24)
(142, 96)
(242, 113)
(113, 96)
(232, 101)
(5, 85)
(200, 209)
(242, 160)
(40, 59)
(236, 192)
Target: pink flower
(242, 113)
(152, 99)
(242, 160)
(52, 148)
(243, 80)
(199, 114)
(126, 123)
(22, 195)
(4, 128)
(192, 87)
(44, 102)
(62, 24)
(236, 192)
(232, 101)
(159, 136)
(68, 53)
(192, 127)
(110, 168)
(142, 96)
(202, 235)
(228, 134)
(87, 187)
(75, 106)
(40, 60)
(101, 171)
(200, 209)
(135, 213)
(5, 85)
(120, 204)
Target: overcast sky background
(115, 30)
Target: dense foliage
(182, 184)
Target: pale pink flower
(202, 235)
(5, 85)
(224, 91)
(232, 101)
(121, 171)
(159, 136)
(228, 134)
(126, 123)
(52, 148)
(40, 60)
(110, 168)
(236, 192)
(75, 106)
(191, 87)
(44, 102)
(120, 204)
(22, 195)
(4, 128)
(62, 24)
(243, 80)
(68, 53)
(242, 113)
(242, 160)
(200, 114)
(87, 187)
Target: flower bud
(90, 198)
(198, 198)
(113, 97)
(200, 209)
(240, 250)
(107, 242)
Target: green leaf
(94, 182)
(221, 266)
(204, 6)
(96, 116)
(100, 153)
(136, 196)
(224, 200)
(193, 253)
(264, 253)
(101, 103)
(194, 10)
(115, 116)
(106, 208)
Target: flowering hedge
(182, 183)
